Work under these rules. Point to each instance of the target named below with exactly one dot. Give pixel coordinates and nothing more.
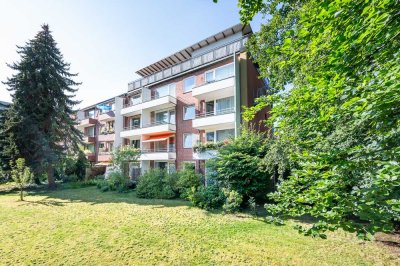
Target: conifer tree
(41, 119)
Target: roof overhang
(186, 53)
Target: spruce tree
(41, 119)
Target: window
(224, 72)
(210, 136)
(161, 92)
(188, 112)
(135, 122)
(165, 117)
(219, 73)
(162, 117)
(224, 105)
(225, 134)
(101, 145)
(220, 135)
(135, 143)
(90, 132)
(188, 140)
(210, 107)
(188, 84)
(209, 76)
(164, 90)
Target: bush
(232, 202)
(210, 197)
(70, 178)
(239, 166)
(116, 182)
(187, 179)
(157, 184)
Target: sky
(107, 41)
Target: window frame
(184, 111)
(183, 84)
(213, 73)
(183, 142)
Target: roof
(186, 53)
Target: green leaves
(341, 118)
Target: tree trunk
(21, 194)
(50, 177)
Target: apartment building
(194, 95)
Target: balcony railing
(147, 99)
(155, 150)
(132, 127)
(217, 112)
(202, 59)
(157, 123)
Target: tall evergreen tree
(41, 118)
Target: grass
(87, 227)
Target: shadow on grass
(90, 194)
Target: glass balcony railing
(216, 112)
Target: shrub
(70, 178)
(233, 200)
(117, 181)
(202, 147)
(187, 179)
(157, 184)
(239, 166)
(210, 197)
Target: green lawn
(88, 227)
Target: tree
(341, 116)
(21, 175)
(123, 155)
(40, 120)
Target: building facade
(193, 96)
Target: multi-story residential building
(194, 95)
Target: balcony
(132, 108)
(133, 132)
(91, 157)
(151, 104)
(215, 120)
(204, 155)
(106, 137)
(158, 154)
(149, 129)
(89, 139)
(156, 103)
(214, 90)
(104, 156)
(108, 116)
(87, 122)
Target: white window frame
(183, 84)
(213, 71)
(215, 133)
(194, 139)
(184, 111)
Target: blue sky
(107, 41)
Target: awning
(158, 138)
